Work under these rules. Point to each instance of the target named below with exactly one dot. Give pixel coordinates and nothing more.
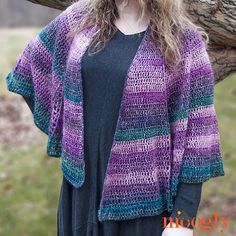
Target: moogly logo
(206, 224)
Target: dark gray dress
(103, 82)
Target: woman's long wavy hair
(167, 21)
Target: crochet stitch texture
(167, 130)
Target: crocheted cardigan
(167, 128)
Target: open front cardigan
(167, 129)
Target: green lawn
(29, 193)
(30, 180)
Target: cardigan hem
(191, 174)
(73, 172)
(120, 212)
(147, 211)
(16, 85)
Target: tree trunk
(57, 4)
(219, 20)
(217, 17)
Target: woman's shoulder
(57, 29)
(70, 16)
(78, 8)
(193, 38)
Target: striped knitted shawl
(167, 130)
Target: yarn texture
(167, 129)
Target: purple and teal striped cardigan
(167, 129)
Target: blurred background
(30, 180)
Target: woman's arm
(187, 202)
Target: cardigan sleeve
(202, 158)
(186, 203)
(38, 71)
(32, 75)
(38, 74)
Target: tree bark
(57, 4)
(217, 17)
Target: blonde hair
(168, 19)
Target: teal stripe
(73, 97)
(129, 207)
(196, 103)
(74, 173)
(18, 84)
(134, 134)
(41, 116)
(201, 173)
(202, 101)
(54, 146)
(46, 38)
(182, 114)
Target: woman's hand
(174, 231)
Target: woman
(156, 105)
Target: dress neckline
(130, 35)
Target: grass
(29, 193)
(30, 181)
